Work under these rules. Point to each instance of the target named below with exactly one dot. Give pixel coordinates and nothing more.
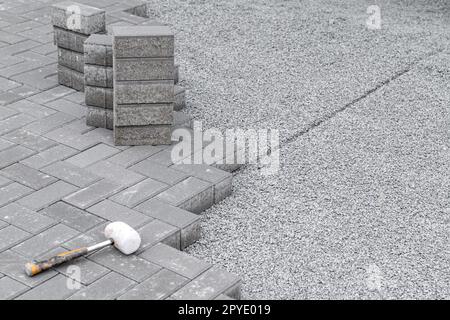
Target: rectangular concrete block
(96, 192)
(70, 78)
(209, 285)
(157, 287)
(142, 135)
(187, 222)
(176, 73)
(71, 59)
(96, 117)
(53, 289)
(143, 41)
(191, 194)
(179, 98)
(98, 50)
(109, 119)
(143, 114)
(175, 260)
(144, 69)
(78, 17)
(129, 92)
(99, 97)
(98, 76)
(69, 40)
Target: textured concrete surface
(62, 181)
(360, 207)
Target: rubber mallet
(119, 234)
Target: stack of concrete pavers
(73, 23)
(98, 78)
(143, 60)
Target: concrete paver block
(28, 176)
(187, 222)
(132, 266)
(56, 288)
(175, 260)
(92, 194)
(25, 219)
(78, 17)
(112, 211)
(107, 288)
(71, 216)
(157, 287)
(209, 285)
(143, 114)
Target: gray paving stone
(209, 285)
(71, 216)
(29, 140)
(133, 155)
(69, 40)
(99, 97)
(49, 156)
(89, 270)
(56, 288)
(96, 117)
(116, 173)
(28, 176)
(179, 98)
(191, 194)
(91, 19)
(138, 193)
(98, 76)
(72, 174)
(48, 195)
(159, 172)
(107, 288)
(11, 236)
(11, 264)
(14, 122)
(70, 78)
(51, 94)
(71, 59)
(87, 238)
(142, 135)
(159, 231)
(4, 181)
(148, 41)
(187, 222)
(136, 92)
(175, 260)
(25, 219)
(132, 266)
(13, 192)
(98, 50)
(92, 194)
(45, 241)
(7, 112)
(223, 297)
(92, 155)
(112, 211)
(71, 137)
(144, 69)
(49, 123)
(143, 114)
(10, 288)
(3, 224)
(157, 287)
(221, 180)
(41, 78)
(31, 108)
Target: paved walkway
(62, 181)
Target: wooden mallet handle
(33, 269)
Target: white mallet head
(125, 238)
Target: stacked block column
(98, 75)
(143, 59)
(73, 23)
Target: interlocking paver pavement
(62, 181)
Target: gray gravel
(360, 208)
